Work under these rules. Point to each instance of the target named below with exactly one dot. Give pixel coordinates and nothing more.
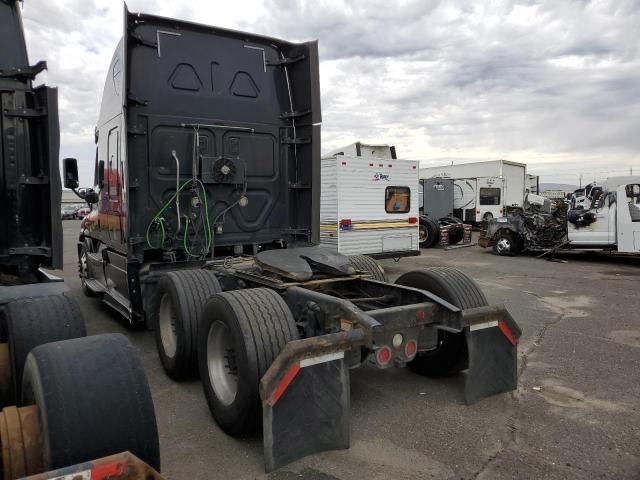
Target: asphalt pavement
(575, 415)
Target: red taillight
(410, 349)
(413, 220)
(420, 315)
(345, 224)
(383, 356)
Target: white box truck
(513, 175)
(369, 206)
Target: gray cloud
(550, 83)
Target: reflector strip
(329, 357)
(507, 333)
(84, 475)
(480, 326)
(284, 383)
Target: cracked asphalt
(575, 415)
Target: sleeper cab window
(397, 199)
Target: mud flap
(305, 399)
(492, 341)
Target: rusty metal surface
(5, 374)
(298, 350)
(21, 442)
(122, 466)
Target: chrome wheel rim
(504, 245)
(167, 326)
(423, 234)
(83, 267)
(221, 363)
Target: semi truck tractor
(66, 398)
(206, 230)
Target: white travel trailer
(370, 206)
(513, 174)
(478, 199)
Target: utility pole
(580, 181)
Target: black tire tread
(369, 265)
(458, 289)
(94, 400)
(267, 325)
(36, 321)
(193, 287)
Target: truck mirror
(101, 173)
(70, 172)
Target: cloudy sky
(555, 83)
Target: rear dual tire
(175, 313)
(450, 356)
(241, 334)
(368, 265)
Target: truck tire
(36, 321)
(451, 355)
(428, 231)
(504, 245)
(93, 400)
(367, 264)
(242, 332)
(175, 316)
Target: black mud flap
(492, 340)
(305, 399)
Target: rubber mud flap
(308, 413)
(493, 356)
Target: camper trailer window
(397, 199)
(633, 200)
(489, 196)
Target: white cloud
(550, 83)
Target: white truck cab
(611, 219)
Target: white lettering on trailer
(329, 357)
(480, 326)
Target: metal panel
(438, 197)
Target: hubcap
(221, 363)
(167, 326)
(504, 245)
(424, 234)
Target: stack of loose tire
(68, 398)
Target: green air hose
(159, 221)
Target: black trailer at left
(66, 398)
(206, 230)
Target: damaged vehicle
(610, 222)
